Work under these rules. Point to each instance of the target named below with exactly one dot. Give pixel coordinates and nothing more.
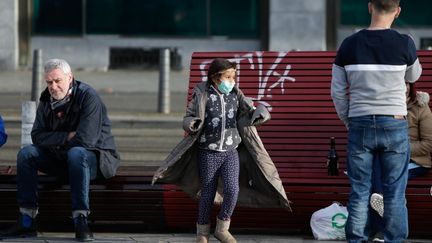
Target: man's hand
(71, 135)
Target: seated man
(71, 139)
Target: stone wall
(297, 25)
(8, 34)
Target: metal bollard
(164, 91)
(28, 115)
(36, 75)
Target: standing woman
(223, 142)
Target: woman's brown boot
(221, 232)
(203, 233)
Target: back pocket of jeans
(356, 140)
(396, 139)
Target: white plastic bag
(329, 223)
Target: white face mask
(225, 86)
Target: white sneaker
(378, 237)
(377, 203)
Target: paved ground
(177, 238)
(162, 238)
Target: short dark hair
(385, 6)
(217, 66)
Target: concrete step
(125, 137)
(144, 158)
(140, 145)
(137, 103)
(123, 131)
(119, 120)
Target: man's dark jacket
(87, 116)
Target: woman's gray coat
(260, 185)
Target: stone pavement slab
(160, 238)
(53, 237)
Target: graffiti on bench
(269, 77)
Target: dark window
(140, 58)
(146, 17)
(234, 18)
(57, 17)
(196, 18)
(426, 43)
(414, 13)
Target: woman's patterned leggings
(213, 164)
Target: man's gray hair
(61, 64)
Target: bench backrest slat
(296, 87)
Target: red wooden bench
(126, 202)
(296, 85)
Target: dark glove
(194, 125)
(260, 115)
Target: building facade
(101, 34)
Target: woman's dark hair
(412, 92)
(217, 66)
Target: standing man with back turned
(71, 139)
(368, 91)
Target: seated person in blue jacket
(3, 135)
(71, 139)
(420, 134)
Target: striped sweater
(369, 73)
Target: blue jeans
(78, 164)
(377, 223)
(386, 138)
(376, 176)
